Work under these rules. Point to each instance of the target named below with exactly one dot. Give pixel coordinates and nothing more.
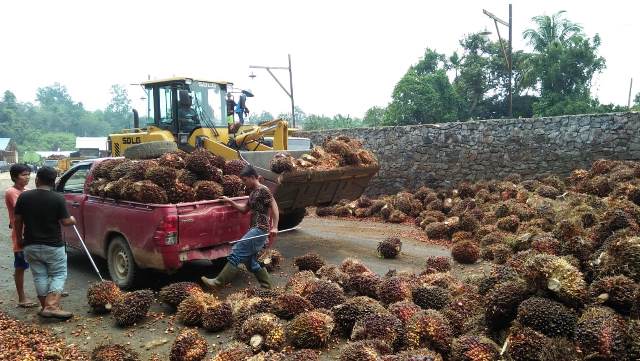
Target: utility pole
(508, 53)
(289, 91)
(629, 99)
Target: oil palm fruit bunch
(96, 187)
(404, 310)
(289, 305)
(299, 281)
(114, 352)
(217, 317)
(121, 170)
(430, 329)
(309, 262)
(175, 293)
(102, 295)
(431, 297)
(310, 329)
(352, 265)
(165, 177)
(132, 307)
(474, 348)
(187, 177)
(324, 294)
(346, 314)
(263, 331)
(104, 168)
(270, 259)
(199, 163)
(618, 292)
(180, 193)
(394, 289)
(207, 190)
(236, 351)
(364, 284)
(501, 303)
(366, 350)
(232, 186)
(234, 167)
(147, 192)
(602, 334)
(172, 160)
(282, 162)
(188, 346)
(380, 326)
(332, 273)
(389, 247)
(550, 317)
(466, 252)
(114, 189)
(191, 309)
(438, 263)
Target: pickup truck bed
(133, 236)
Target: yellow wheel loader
(185, 113)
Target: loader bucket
(309, 187)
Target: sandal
(27, 304)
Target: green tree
(424, 94)
(636, 102)
(118, 112)
(374, 117)
(562, 66)
(259, 118)
(300, 117)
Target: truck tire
(122, 266)
(292, 218)
(149, 150)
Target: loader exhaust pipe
(136, 119)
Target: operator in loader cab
(264, 223)
(186, 115)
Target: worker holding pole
(264, 224)
(38, 216)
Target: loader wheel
(122, 267)
(149, 150)
(292, 218)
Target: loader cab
(181, 105)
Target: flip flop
(27, 304)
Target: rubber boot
(263, 278)
(225, 276)
(52, 308)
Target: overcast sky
(347, 55)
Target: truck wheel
(122, 266)
(149, 150)
(291, 218)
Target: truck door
(72, 187)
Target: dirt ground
(332, 239)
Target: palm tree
(552, 29)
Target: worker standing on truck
(38, 215)
(263, 209)
(20, 174)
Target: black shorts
(19, 261)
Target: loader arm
(277, 128)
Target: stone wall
(446, 153)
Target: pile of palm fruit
(26, 341)
(334, 153)
(175, 177)
(562, 282)
(539, 305)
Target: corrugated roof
(91, 143)
(65, 153)
(4, 143)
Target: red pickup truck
(133, 236)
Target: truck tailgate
(209, 224)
